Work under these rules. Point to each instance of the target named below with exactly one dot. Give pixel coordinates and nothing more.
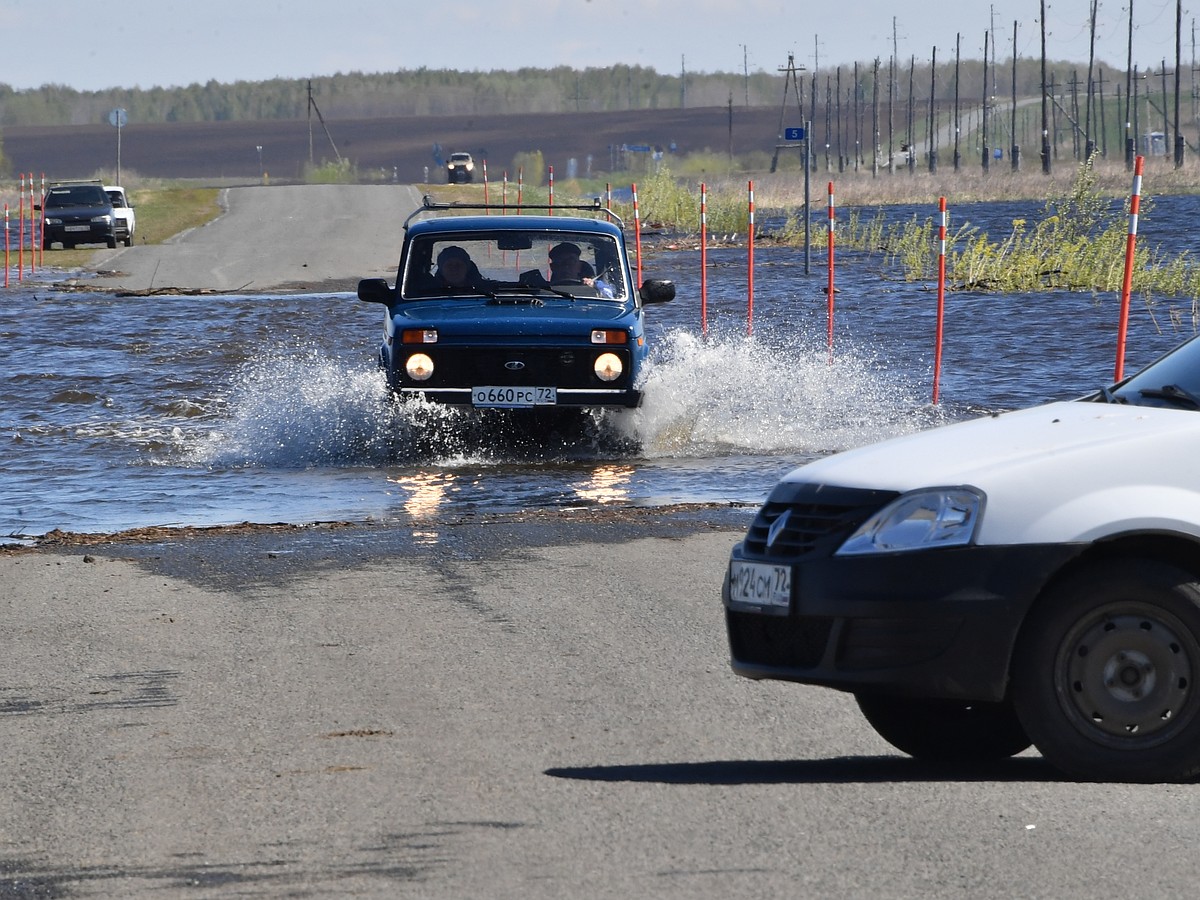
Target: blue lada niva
(515, 311)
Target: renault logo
(776, 527)
(514, 365)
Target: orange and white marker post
(1135, 200)
(33, 241)
(829, 290)
(750, 262)
(637, 235)
(941, 298)
(703, 258)
(21, 229)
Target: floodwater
(118, 413)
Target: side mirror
(376, 290)
(657, 290)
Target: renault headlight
(921, 520)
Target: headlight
(419, 367)
(922, 520)
(103, 220)
(50, 221)
(608, 367)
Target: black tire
(112, 243)
(1106, 676)
(129, 241)
(945, 730)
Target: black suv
(75, 214)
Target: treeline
(443, 92)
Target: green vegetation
(163, 212)
(341, 171)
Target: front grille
(819, 517)
(521, 367)
(791, 642)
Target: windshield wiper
(1174, 393)
(1107, 395)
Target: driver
(566, 266)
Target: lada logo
(514, 365)
(776, 527)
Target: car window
(514, 260)
(1176, 372)
(76, 196)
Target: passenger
(567, 266)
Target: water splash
(300, 411)
(732, 395)
(720, 396)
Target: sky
(164, 43)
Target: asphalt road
(525, 706)
(274, 238)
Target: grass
(163, 210)
(1077, 244)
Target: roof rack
(428, 204)
(99, 181)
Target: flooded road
(124, 412)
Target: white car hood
(1072, 471)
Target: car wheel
(112, 243)
(1105, 674)
(129, 241)
(945, 730)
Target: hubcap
(1128, 676)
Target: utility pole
(911, 160)
(957, 60)
(1178, 60)
(1089, 145)
(1046, 164)
(1130, 135)
(986, 152)
(933, 113)
(875, 119)
(1014, 147)
(790, 80)
(892, 99)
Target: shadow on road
(843, 770)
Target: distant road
(299, 238)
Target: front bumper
(78, 233)
(569, 369)
(936, 624)
(567, 397)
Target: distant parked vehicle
(460, 169)
(77, 213)
(124, 220)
